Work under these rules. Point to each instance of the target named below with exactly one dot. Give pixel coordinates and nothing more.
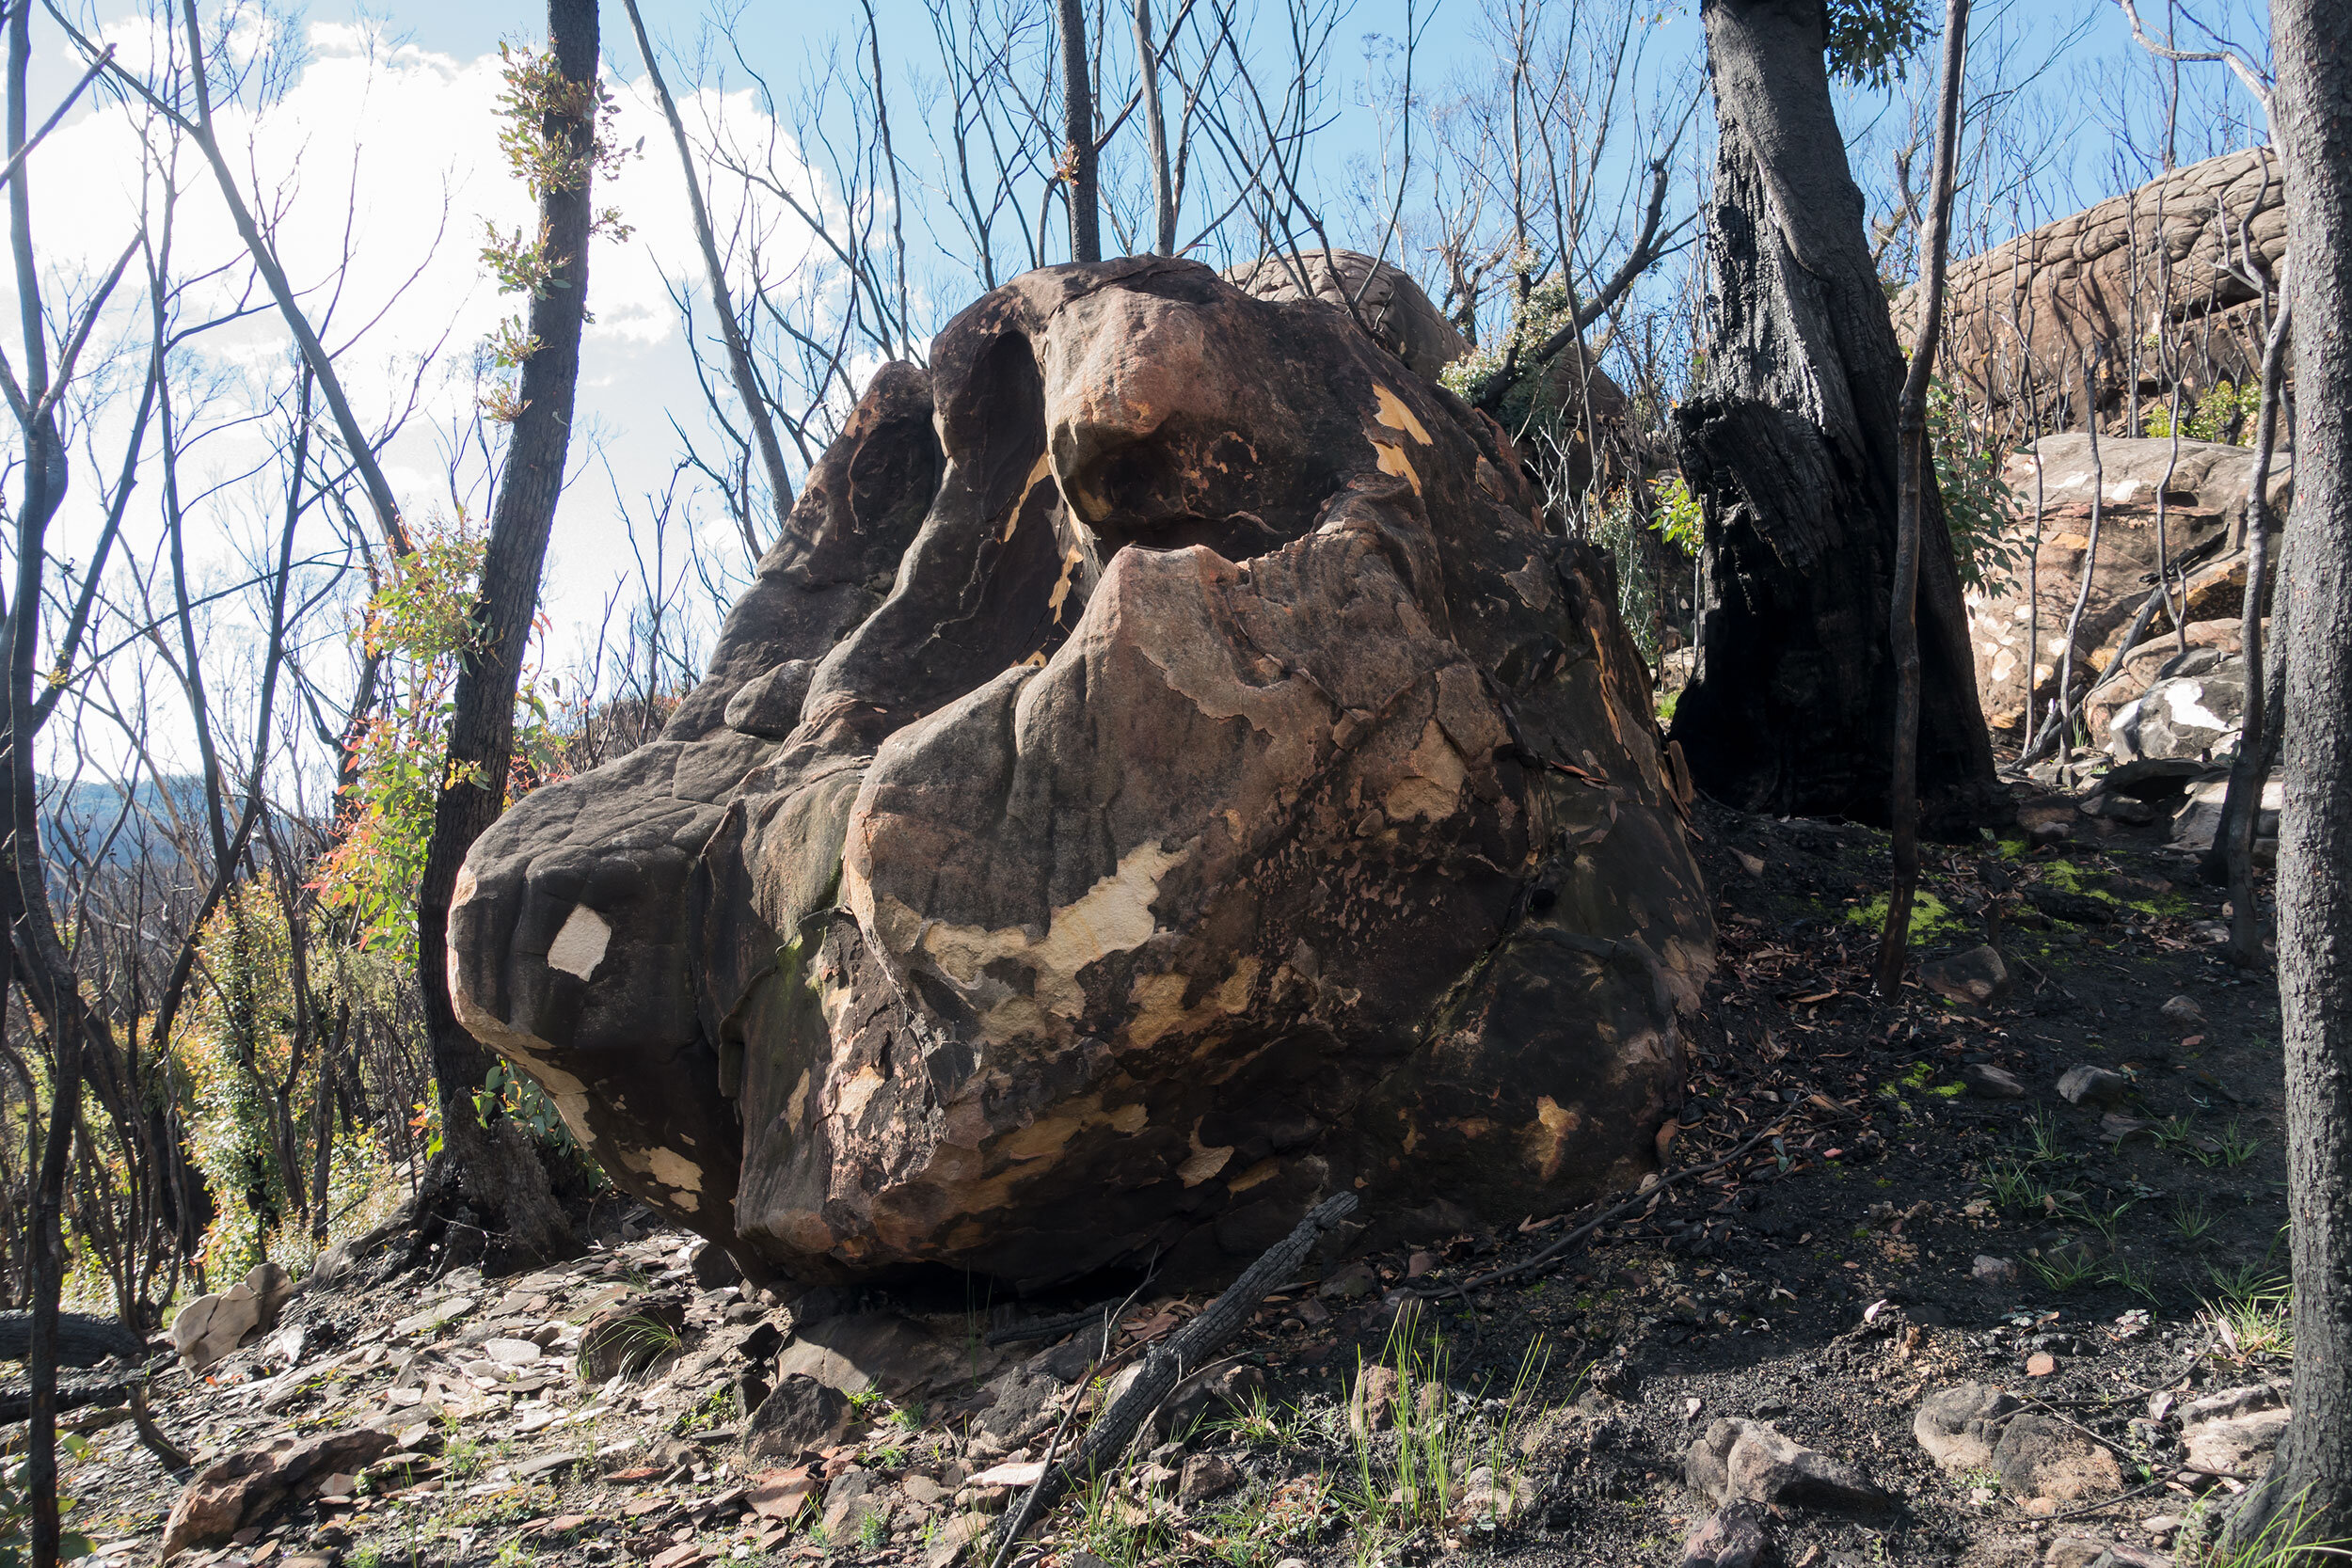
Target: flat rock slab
(247, 1489)
(2235, 1431)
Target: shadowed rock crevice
(1232, 796)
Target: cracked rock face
(1163, 775)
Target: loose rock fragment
(1733, 1536)
(2092, 1085)
(1959, 1426)
(800, 1416)
(1739, 1461)
(1987, 1082)
(1974, 978)
(245, 1490)
(2234, 1431)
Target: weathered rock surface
(2092, 280)
(1739, 1461)
(1212, 789)
(211, 1326)
(2085, 1084)
(630, 1337)
(2235, 1432)
(1731, 1537)
(247, 1489)
(1959, 1426)
(1973, 978)
(798, 1416)
(2204, 486)
(1988, 1082)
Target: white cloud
(379, 167)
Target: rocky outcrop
(2021, 317)
(1163, 775)
(1389, 304)
(2205, 485)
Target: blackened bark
(487, 1168)
(1789, 441)
(2310, 1481)
(1079, 160)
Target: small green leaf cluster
(1871, 41)
(419, 623)
(16, 1513)
(2223, 412)
(1979, 506)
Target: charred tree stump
(1789, 442)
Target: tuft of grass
(2066, 1270)
(2283, 1543)
(2237, 1145)
(461, 1457)
(2043, 1137)
(2253, 1311)
(643, 1340)
(2012, 1184)
(1264, 1422)
(1418, 1473)
(2138, 1281)
(2107, 1224)
(2191, 1221)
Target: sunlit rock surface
(1163, 775)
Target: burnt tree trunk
(1789, 442)
(1078, 153)
(2308, 1487)
(491, 1170)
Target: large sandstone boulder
(1165, 774)
(2021, 317)
(1390, 305)
(2205, 485)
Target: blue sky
(411, 131)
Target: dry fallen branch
(1191, 1346)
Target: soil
(1826, 1279)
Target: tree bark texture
(1077, 117)
(2310, 1481)
(1789, 441)
(1155, 134)
(487, 1164)
(2241, 808)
